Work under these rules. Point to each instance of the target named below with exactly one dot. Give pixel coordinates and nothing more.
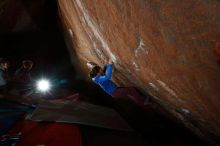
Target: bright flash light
(43, 85)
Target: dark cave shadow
(218, 62)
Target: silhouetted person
(23, 74)
(23, 77)
(103, 79)
(4, 64)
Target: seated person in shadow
(4, 64)
(23, 78)
(102, 77)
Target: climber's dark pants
(130, 92)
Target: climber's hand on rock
(110, 61)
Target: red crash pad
(47, 134)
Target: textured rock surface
(167, 48)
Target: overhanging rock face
(170, 49)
